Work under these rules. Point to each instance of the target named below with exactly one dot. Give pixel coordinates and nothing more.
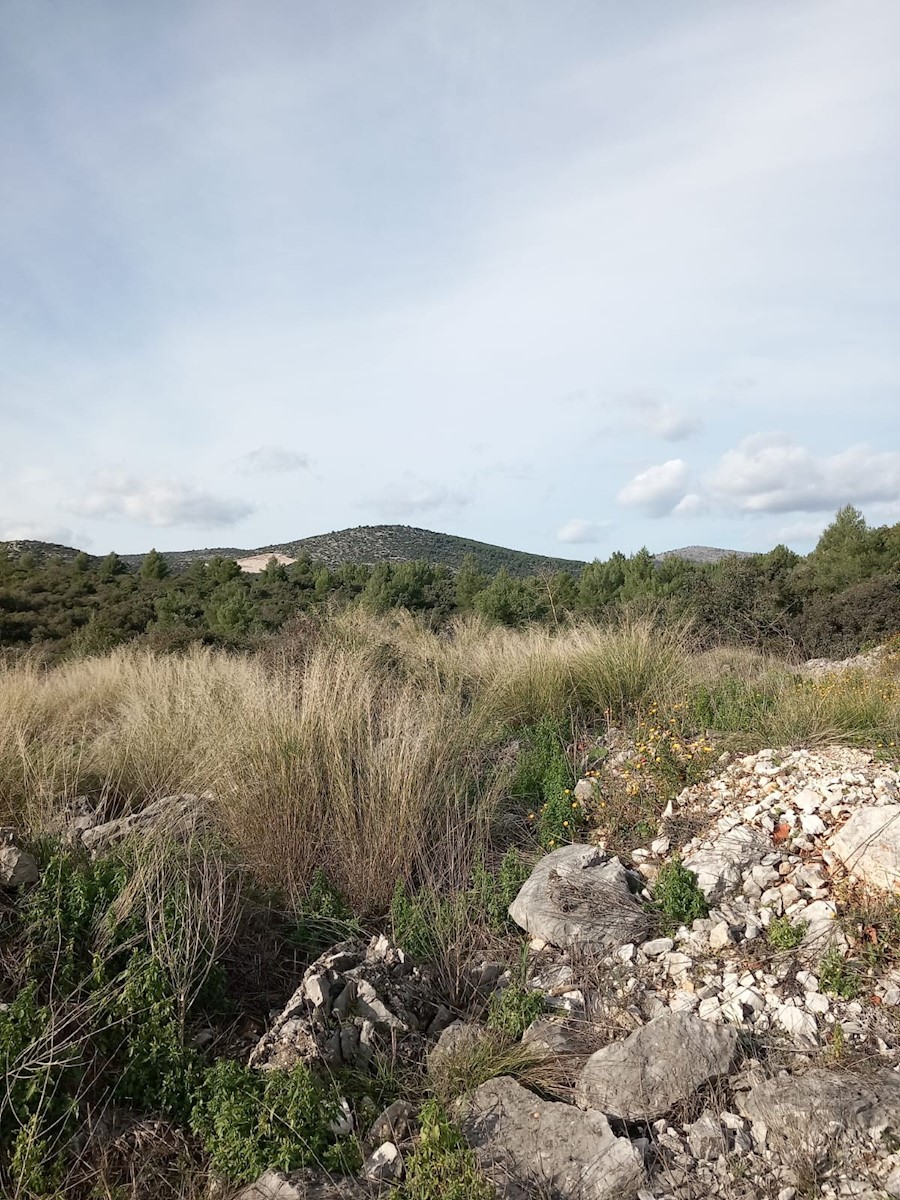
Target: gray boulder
(656, 1067)
(819, 1102)
(17, 867)
(531, 1147)
(177, 815)
(578, 896)
(869, 846)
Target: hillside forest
(841, 597)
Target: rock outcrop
(352, 1002)
(532, 1147)
(577, 896)
(644, 1076)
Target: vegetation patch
(676, 896)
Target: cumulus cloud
(579, 531)
(657, 491)
(158, 501)
(411, 495)
(268, 460)
(771, 473)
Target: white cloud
(268, 460)
(579, 531)
(658, 490)
(772, 473)
(35, 531)
(158, 501)
(412, 495)
(660, 419)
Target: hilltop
(370, 544)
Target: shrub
(513, 1008)
(251, 1120)
(839, 976)
(441, 1167)
(677, 897)
(783, 935)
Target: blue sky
(569, 277)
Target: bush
(441, 1167)
(783, 936)
(513, 1008)
(251, 1120)
(677, 897)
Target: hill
(702, 554)
(371, 544)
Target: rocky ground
(750, 1050)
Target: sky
(570, 277)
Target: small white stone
(812, 824)
(799, 1024)
(626, 952)
(807, 981)
(720, 936)
(658, 946)
(817, 1003)
(709, 1010)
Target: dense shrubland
(844, 595)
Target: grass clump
(783, 936)
(441, 1166)
(676, 896)
(251, 1120)
(488, 1054)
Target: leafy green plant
(441, 1167)
(491, 892)
(323, 917)
(783, 935)
(513, 1008)
(677, 897)
(251, 1120)
(839, 975)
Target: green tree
(154, 566)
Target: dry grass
(372, 753)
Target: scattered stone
(721, 936)
(657, 1066)
(721, 865)
(304, 1185)
(351, 1001)
(819, 1099)
(394, 1125)
(705, 1137)
(176, 815)
(529, 1146)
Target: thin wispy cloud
(272, 460)
(581, 532)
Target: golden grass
(373, 754)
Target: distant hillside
(380, 543)
(702, 554)
(391, 543)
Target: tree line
(842, 596)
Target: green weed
(676, 896)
